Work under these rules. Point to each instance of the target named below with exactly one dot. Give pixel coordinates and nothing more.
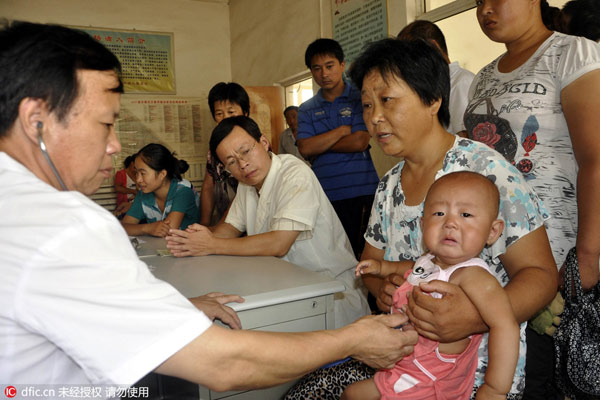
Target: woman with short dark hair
(405, 88)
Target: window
(433, 4)
(297, 93)
(436, 10)
(466, 42)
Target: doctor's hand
(381, 345)
(451, 318)
(212, 304)
(194, 241)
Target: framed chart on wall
(184, 124)
(357, 23)
(147, 58)
(179, 123)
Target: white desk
(280, 296)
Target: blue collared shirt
(342, 175)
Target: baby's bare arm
(493, 305)
(380, 268)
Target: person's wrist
(379, 288)
(385, 269)
(216, 245)
(372, 283)
(588, 259)
(379, 297)
(352, 336)
(148, 229)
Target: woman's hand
(386, 291)
(194, 227)
(122, 208)
(588, 272)
(451, 318)
(211, 304)
(158, 228)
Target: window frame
(294, 80)
(445, 11)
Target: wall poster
(357, 23)
(184, 125)
(176, 122)
(147, 58)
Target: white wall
(267, 50)
(268, 38)
(201, 30)
(254, 42)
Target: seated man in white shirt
(283, 209)
(78, 306)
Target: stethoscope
(47, 157)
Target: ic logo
(10, 391)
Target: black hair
(41, 61)
(323, 47)
(584, 18)
(232, 92)
(290, 108)
(158, 157)
(416, 62)
(129, 160)
(552, 17)
(424, 30)
(223, 130)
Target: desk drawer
(274, 393)
(266, 316)
(313, 323)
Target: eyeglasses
(233, 162)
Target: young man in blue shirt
(331, 131)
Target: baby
(459, 220)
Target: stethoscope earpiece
(44, 150)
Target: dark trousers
(354, 215)
(539, 368)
